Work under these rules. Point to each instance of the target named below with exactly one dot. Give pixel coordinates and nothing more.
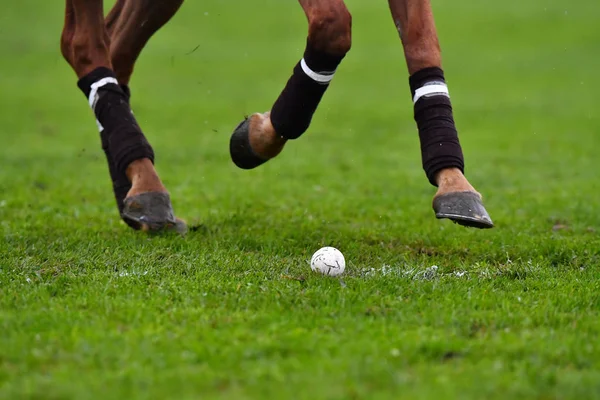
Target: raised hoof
(240, 150)
(152, 212)
(463, 208)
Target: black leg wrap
(120, 182)
(293, 111)
(440, 147)
(120, 133)
(127, 91)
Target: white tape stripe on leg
(97, 85)
(94, 90)
(315, 76)
(437, 89)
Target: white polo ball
(328, 261)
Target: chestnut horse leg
(130, 24)
(85, 44)
(441, 151)
(262, 136)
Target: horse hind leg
(85, 45)
(130, 25)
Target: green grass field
(92, 310)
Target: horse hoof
(463, 208)
(152, 212)
(240, 150)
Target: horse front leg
(441, 152)
(262, 136)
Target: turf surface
(426, 310)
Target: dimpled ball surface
(328, 261)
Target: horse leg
(128, 36)
(130, 24)
(262, 136)
(441, 151)
(85, 45)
